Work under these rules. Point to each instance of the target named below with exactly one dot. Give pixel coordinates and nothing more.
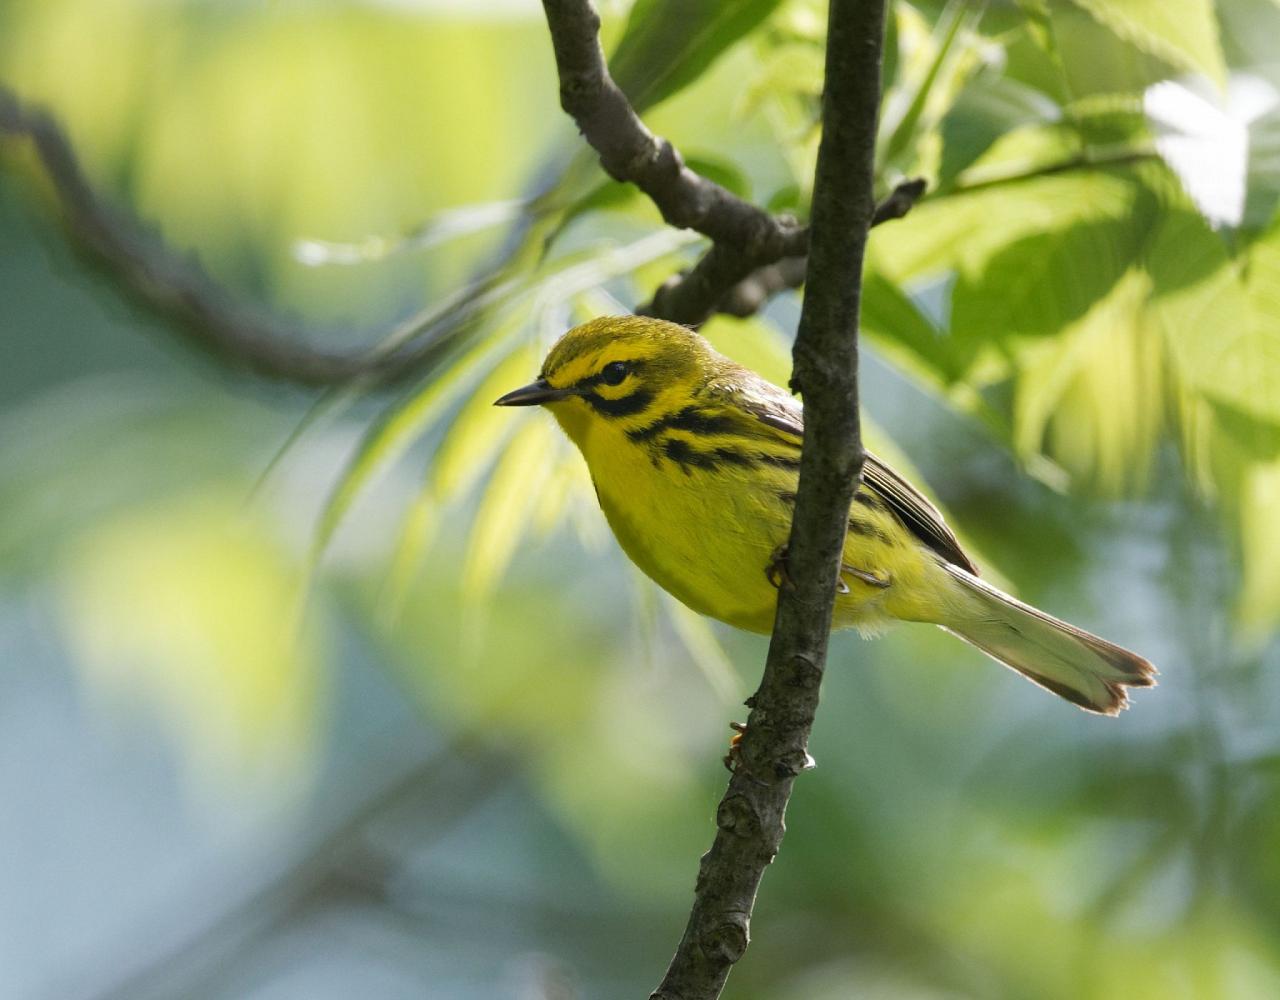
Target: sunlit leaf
(897, 326)
(1224, 333)
(387, 439)
(503, 517)
(1222, 146)
(1092, 397)
(924, 96)
(668, 44)
(477, 431)
(1258, 608)
(1041, 282)
(966, 230)
(754, 342)
(988, 109)
(1182, 32)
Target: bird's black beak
(533, 394)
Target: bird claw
(865, 576)
(732, 759)
(777, 572)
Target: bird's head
(618, 371)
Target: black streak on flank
(868, 499)
(867, 530)
(690, 458)
(624, 406)
(781, 461)
(690, 419)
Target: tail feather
(1070, 662)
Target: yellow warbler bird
(695, 460)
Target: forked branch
(745, 238)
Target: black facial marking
(625, 406)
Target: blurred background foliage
(315, 694)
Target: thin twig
(757, 288)
(175, 285)
(751, 292)
(774, 750)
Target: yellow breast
(705, 522)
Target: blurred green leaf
(479, 428)
(1223, 332)
(1258, 607)
(1041, 282)
(986, 110)
(184, 606)
(668, 44)
(1092, 396)
(503, 519)
(905, 108)
(1182, 32)
(403, 424)
(896, 325)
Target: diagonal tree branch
(825, 362)
(745, 237)
(630, 152)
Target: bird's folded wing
(785, 415)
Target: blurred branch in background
(454, 781)
(177, 287)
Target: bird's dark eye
(614, 373)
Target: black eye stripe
(636, 402)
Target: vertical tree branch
(825, 361)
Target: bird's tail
(1070, 662)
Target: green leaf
(1184, 33)
(985, 111)
(479, 428)
(753, 342)
(898, 327)
(935, 70)
(966, 229)
(1039, 282)
(400, 426)
(668, 44)
(1092, 396)
(1258, 605)
(503, 517)
(1224, 332)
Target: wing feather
(784, 414)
